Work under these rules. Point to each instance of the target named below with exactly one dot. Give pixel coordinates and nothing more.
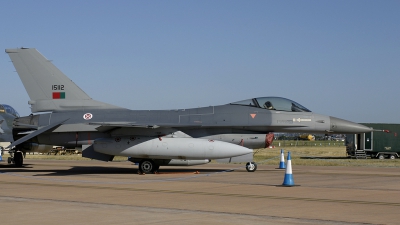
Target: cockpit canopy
(273, 103)
(8, 109)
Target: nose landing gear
(251, 166)
(148, 166)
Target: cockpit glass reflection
(8, 109)
(274, 103)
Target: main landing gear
(17, 158)
(148, 166)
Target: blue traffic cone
(288, 181)
(282, 163)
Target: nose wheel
(251, 166)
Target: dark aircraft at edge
(69, 117)
(7, 116)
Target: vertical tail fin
(48, 88)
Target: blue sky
(339, 58)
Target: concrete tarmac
(92, 192)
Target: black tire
(147, 166)
(392, 157)
(18, 159)
(381, 156)
(251, 166)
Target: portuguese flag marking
(58, 95)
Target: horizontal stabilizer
(36, 133)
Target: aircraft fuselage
(82, 127)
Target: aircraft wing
(104, 126)
(123, 124)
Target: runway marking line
(168, 173)
(209, 194)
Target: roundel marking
(87, 116)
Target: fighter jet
(63, 114)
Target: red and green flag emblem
(58, 95)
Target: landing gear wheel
(18, 159)
(147, 166)
(392, 157)
(381, 156)
(251, 166)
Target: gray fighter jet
(69, 117)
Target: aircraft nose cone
(341, 126)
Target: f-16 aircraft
(69, 117)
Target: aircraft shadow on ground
(83, 170)
(7, 167)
